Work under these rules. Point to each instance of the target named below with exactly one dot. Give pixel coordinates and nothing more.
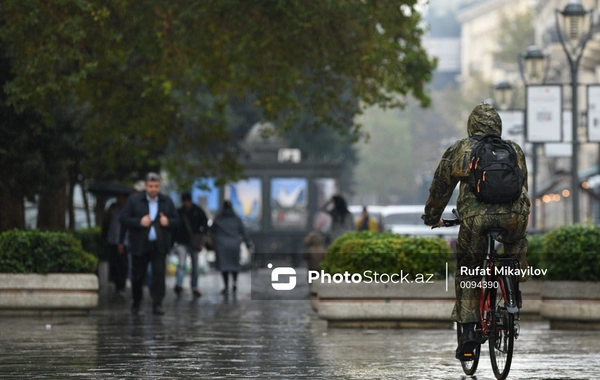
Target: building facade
(481, 23)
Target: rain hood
(484, 120)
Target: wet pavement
(236, 337)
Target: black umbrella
(110, 189)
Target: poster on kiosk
(593, 112)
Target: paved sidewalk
(216, 338)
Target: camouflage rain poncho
(476, 217)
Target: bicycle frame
(497, 316)
(486, 303)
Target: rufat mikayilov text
(368, 277)
(503, 271)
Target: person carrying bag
(190, 239)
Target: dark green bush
(362, 235)
(572, 253)
(387, 253)
(92, 242)
(335, 256)
(43, 252)
(535, 250)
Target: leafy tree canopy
(132, 67)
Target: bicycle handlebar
(450, 222)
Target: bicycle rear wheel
(469, 366)
(502, 337)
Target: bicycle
(499, 304)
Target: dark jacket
(135, 209)
(228, 233)
(197, 220)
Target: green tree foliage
(123, 60)
(146, 78)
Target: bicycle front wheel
(502, 337)
(469, 366)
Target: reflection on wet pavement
(216, 337)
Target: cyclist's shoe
(467, 345)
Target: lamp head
(573, 15)
(534, 63)
(502, 94)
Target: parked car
(406, 220)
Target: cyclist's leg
(470, 252)
(515, 241)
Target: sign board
(289, 155)
(593, 112)
(564, 149)
(544, 119)
(512, 126)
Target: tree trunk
(99, 209)
(71, 205)
(52, 207)
(12, 214)
(86, 204)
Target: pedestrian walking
(228, 233)
(342, 220)
(366, 222)
(112, 233)
(193, 226)
(315, 250)
(151, 219)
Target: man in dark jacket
(476, 217)
(111, 232)
(150, 217)
(193, 224)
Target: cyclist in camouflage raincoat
(476, 217)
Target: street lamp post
(573, 17)
(535, 71)
(503, 94)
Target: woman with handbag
(228, 233)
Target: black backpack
(494, 172)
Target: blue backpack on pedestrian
(494, 172)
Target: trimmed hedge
(535, 250)
(92, 242)
(572, 253)
(388, 253)
(43, 252)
